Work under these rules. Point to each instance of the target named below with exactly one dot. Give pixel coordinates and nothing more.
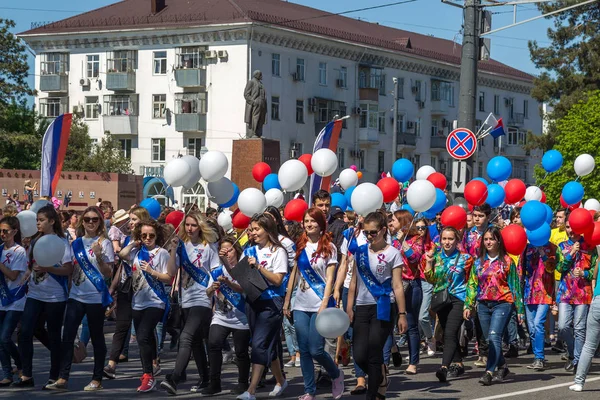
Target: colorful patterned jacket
(411, 257)
(537, 265)
(473, 241)
(572, 289)
(449, 272)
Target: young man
(322, 200)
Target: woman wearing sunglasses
(93, 260)
(195, 255)
(150, 299)
(377, 290)
(316, 262)
(13, 267)
(47, 295)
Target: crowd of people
(403, 281)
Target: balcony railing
(54, 82)
(120, 81)
(517, 119)
(368, 136)
(121, 124)
(190, 122)
(438, 142)
(439, 107)
(407, 139)
(190, 77)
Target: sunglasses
(92, 220)
(421, 228)
(148, 236)
(5, 231)
(371, 233)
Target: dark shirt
(337, 228)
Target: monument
(256, 106)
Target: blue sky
(430, 17)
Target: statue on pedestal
(256, 105)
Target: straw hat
(119, 216)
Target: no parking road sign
(461, 143)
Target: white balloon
(332, 323)
(420, 195)
(324, 162)
(177, 172)
(224, 221)
(366, 198)
(348, 178)
(27, 223)
(584, 164)
(533, 193)
(424, 172)
(292, 175)
(220, 191)
(592, 204)
(194, 176)
(274, 197)
(35, 207)
(48, 250)
(213, 166)
(252, 201)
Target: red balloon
(306, 158)
(295, 209)
(514, 191)
(239, 220)
(593, 236)
(564, 204)
(260, 171)
(439, 180)
(543, 199)
(515, 239)
(476, 192)
(592, 213)
(174, 218)
(454, 216)
(581, 221)
(390, 189)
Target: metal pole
(395, 124)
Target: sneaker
(569, 366)
(109, 372)
(156, 370)
(431, 347)
(148, 383)
(481, 362)
(297, 362)
(576, 387)
(202, 384)
(442, 374)
(486, 379)
(291, 363)
(306, 396)
(455, 370)
(20, 383)
(211, 390)
(169, 385)
(537, 365)
(278, 390)
(501, 374)
(337, 386)
(246, 396)
(512, 352)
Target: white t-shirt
(226, 314)
(45, 288)
(290, 249)
(381, 265)
(274, 261)
(143, 295)
(15, 259)
(202, 256)
(360, 239)
(82, 289)
(306, 298)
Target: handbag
(79, 353)
(441, 299)
(125, 286)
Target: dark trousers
(122, 326)
(264, 319)
(8, 323)
(54, 319)
(241, 341)
(413, 296)
(195, 331)
(145, 322)
(368, 339)
(451, 319)
(73, 317)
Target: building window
(417, 161)
(442, 91)
(341, 155)
(52, 107)
(382, 85)
(275, 108)
(190, 103)
(381, 161)
(416, 89)
(381, 122)
(120, 105)
(300, 69)
(435, 128)
(400, 93)
(322, 73)
(190, 57)
(160, 63)
(418, 127)
(525, 108)
(158, 149)
(496, 104)
(434, 162)
(54, 63)
(343, 79)
(517, 137)
(92, 107)
(93, 66)
(126, 147)
(361, 160)
(400, 124)
(276, 65)
(194, 145)
(481, 101)
(122, 61)
(369, 116)
(300, 111)
(159, 105)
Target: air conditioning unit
(210, 54)
(356, 110)
(312, 104)
(507, 102)
(222, 54)
(340, 83)
(84, 82)
(421, 104)
(296, 76)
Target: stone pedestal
(246, 153)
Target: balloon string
(577, 179)
(408, 230)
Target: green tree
(578, 132)
(13, 67)
(21, 132)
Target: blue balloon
(440, 202)
(495, 195)
(499, 168)
(271, 182)
(539, 236)
(402, 170)
(408, 208)
(234, 198)
(481, 180)
(152, 206)
(429, 214)
(348, 194)
(552, 160)
(533, 215)
(338, 199)
(549, 214)
(572, 193)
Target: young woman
(93, 260)
(377, 290)
(425, 329)
(13, 267)
(47, 295)
(494, 284)
(448, 269)
(264, 314)
(196, 255)
(72, 227)
(316, 262)
(150, 299)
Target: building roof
(136, 14)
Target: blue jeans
(536, 320)
(493, 317)
(8, 323)
(575, 314)
(511, 334)
(592, 339)
(424, 317)
(290, 332)
(312, 346)
(359, 373)
(413, 297)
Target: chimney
(157, 6)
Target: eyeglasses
(148, 236)
(371, 233)
(5, 231)
(92, 220)
(421, 228)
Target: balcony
(190, 122)
(512, 151)
(190, 77)
(405, 140)
(439, 107)
(517, 119)
(58, 83)
(52, 107)
(121, 124)
(438, 142)
(368, 137)
(370, 85)
(120, 81)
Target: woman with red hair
(316, 262)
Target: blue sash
(7, 296)
(351, 239)
(380, 291)
(125, 264)
(91, 272)
(197, 273)
(157, 287)
(271, 291)
(313, 279)
(233, 297)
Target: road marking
(504, 395)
